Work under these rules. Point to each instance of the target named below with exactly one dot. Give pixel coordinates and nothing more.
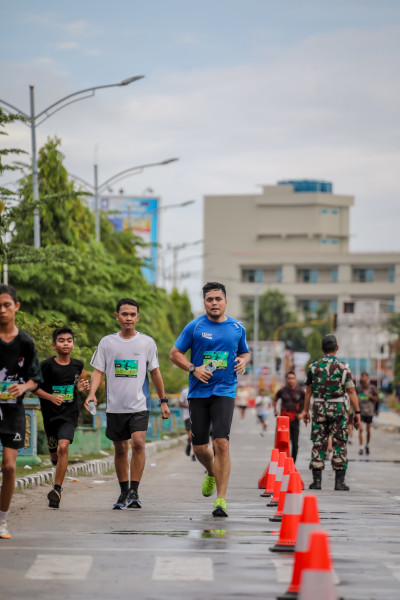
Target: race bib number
(66, 391)
(5, 397)
(363, 397)
(126, 368)
(218, 359)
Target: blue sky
(245, 92)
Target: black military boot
(339, 481)
(317, 479)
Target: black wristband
(164, 400)
(357, 412)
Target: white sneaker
(4, 533)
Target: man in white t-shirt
(263, 404)
(125, 358)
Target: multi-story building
(294, 237)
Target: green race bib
(219, 359)
(126, 368)
(66, 391)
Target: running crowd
(218, 354)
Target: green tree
(64, 216)
(314, 343)
(393, 325)
(273, 312)
(5, 120)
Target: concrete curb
(93, 467)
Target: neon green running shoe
(208, 487)
(220, 509)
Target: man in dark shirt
(19, 373)
(292, 402)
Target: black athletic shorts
(59, 430)
(366, 419)
(215, 411)
(12, 426)
(120, 426)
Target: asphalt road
(174, 548)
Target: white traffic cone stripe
(285, 483)
(272, 468)
(317, 585)
(279, 474)
(303, 535)
(293, 504)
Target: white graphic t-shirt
(126, 363)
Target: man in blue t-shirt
(219, 352)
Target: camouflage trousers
(329, 418)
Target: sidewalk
(388, 420)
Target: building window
(334, 211)
(334, 242)
(334, 275)
(323, 241)
(364, 275)
(324, 211)
(348, 307)
(333, 305)
(390, 306)
(391, 275)
(253, 275)
(279, 276)
(309, 275)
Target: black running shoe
(187, 450)
(366, 449)
(132, 500)
(121, 502)
(54, 498)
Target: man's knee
(62, 448)
(121, 448)
(138, 445)
(8, 468)
(221, 445)
(201, 450)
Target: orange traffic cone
(278, 480)
(317, 578)
(291, 516)
(287, 468)
(309, 522)
(282, 435)
(273, 465)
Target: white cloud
(66, 46)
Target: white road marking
(60, 566)
(173, 568)
(284, 569)
(395, 570)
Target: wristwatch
(357, 412)
(191, 368)
(164, 400)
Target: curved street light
(34, 121)
(99, 188)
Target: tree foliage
(274, 312)
(5, 120)
(314, 343)
(75, 281)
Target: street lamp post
(97, 188)
(35, 120)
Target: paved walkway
(174, 548)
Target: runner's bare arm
(159, 385)
(17, 389)
(305, 415)
(95, 381)
(179, 359)
(56, 399)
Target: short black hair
(290, 373)
(10, 290)
(364, 373)
(213, 285)
(127, 301)
(329, 343)
(60, 331)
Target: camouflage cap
(329, 339)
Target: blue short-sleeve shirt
(216, 343)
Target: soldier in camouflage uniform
(328, 379)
